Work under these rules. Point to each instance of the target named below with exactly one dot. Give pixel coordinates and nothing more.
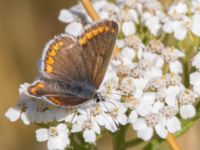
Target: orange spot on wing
(89, 35)
(95, 32)
(107, 28)
(61, 43)
(101, 29)
(49, 68)
(56, 101)
(82, 41)
(40, 85)
(33, 89)
(50, 60)
(55, 47)
(52, 53)
(113, 30)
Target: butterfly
(72, 68)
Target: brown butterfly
(74, 67)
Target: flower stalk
(172, 142)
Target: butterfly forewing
(62, 60)
(98, 42)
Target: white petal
(180, 33)
(195, 77)
(133, 116)
(25, 118)
(196, 61)
(153, 25)
(145, 133)
(161, 131)
(76, 128)
(143, 109)
(173, 125)
(42, 135)
(55, 143)
(95, 127)
(122, 118)
(127, 54)
(196, 88)
(128, 28)
(62, 128)
(13, 114)
(89, 136)
(187, 111)
(66, 16)
(181, 8)
(196, 24)
(74, 28)
(139, 124)
(148, 98)
(120, 43)
(176, 67)
(110, 124)
(168, 27)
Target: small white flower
(196, 61)
(145, 127)
(127, 54)
(187, 111)
(66, 16)
(74, 25)
(128, 28)
(153, 24)
(57, 137)
(186, 99)
(170, 120)
(14, 113)
(195, 27)
(195, 82)
(86, 123)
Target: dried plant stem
(90, 10)
(93, 14)
(172, 142)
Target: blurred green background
(25, 27)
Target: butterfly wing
(61, 93)
(97, 42)
(62, 60)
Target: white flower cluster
(180, 18)
(143, 84)
(89, 119)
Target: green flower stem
(119, 138)
(186, 72)
(133, 143)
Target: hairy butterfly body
(74, 67)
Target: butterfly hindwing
(60, 93)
